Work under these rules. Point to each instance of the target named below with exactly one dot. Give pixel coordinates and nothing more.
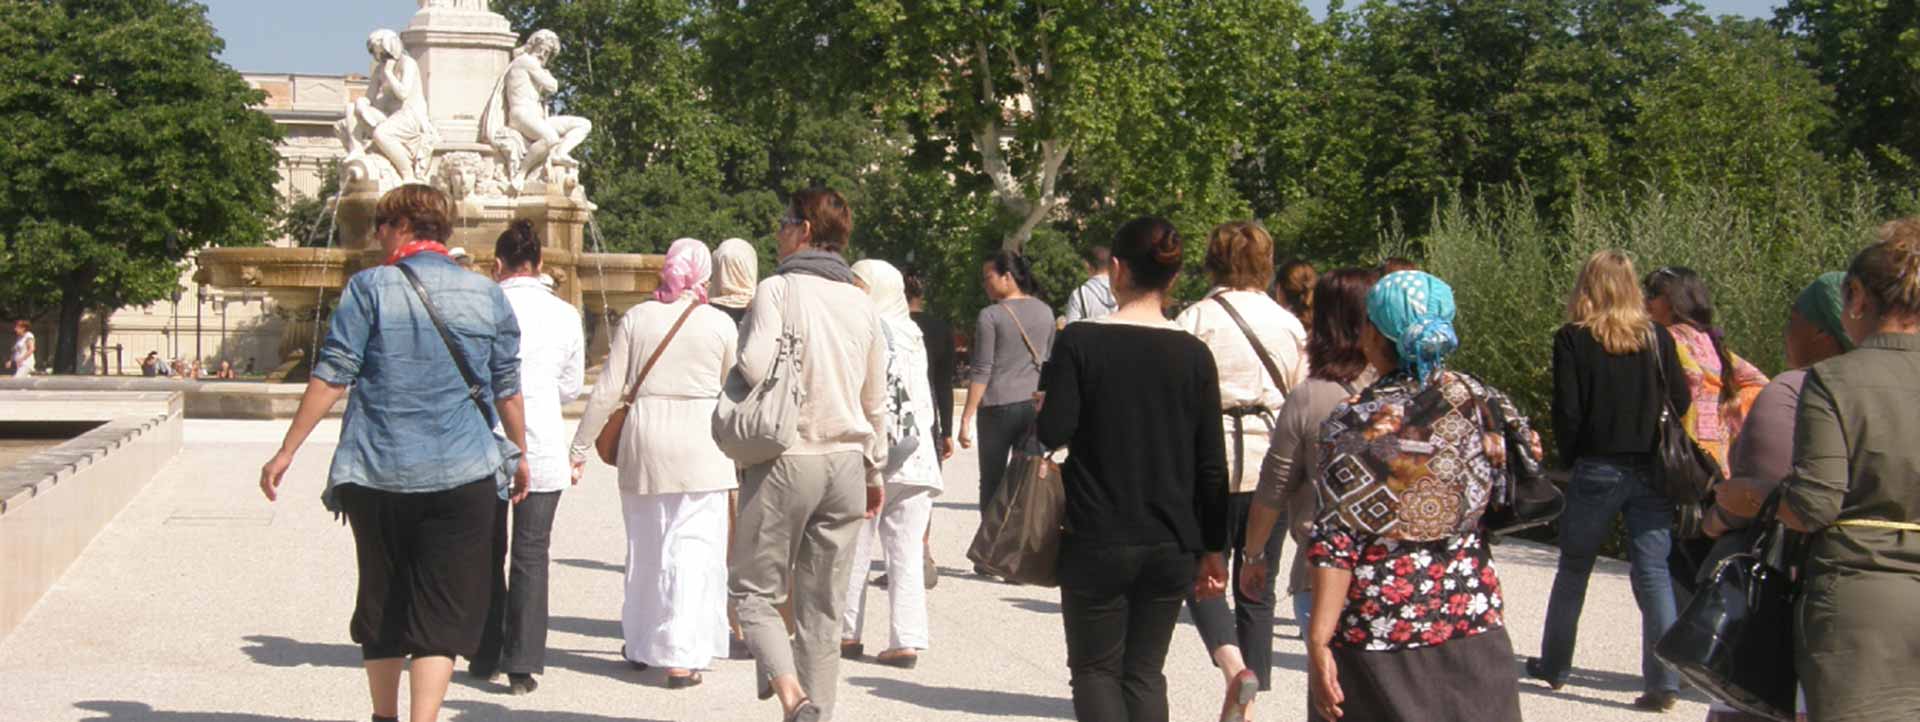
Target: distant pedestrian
(1259, 351)
(226, 370)
(736, 269)
(417, 470)
(800, 512)
(1293, 288)
(24, 348)
(1722, 384)
(1855, 490)
(942, 369)
(1340, 371)
(1607, 399)
(552, 366)
(911, 482)
(150, 366)
(1012, 340)
(1408, 616)
(1094, 298)
(1137, 402)
(674, 480)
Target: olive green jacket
(1855, 457)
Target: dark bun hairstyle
(518, 247)
(1009, 263)
(1152, 249)
(1889, 271)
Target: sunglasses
(790, 221)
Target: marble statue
(516, 122)
(477, 5)
(391, 120)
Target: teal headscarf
(1415, 311)
(1820, 304)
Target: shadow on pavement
(972, 702)
(964, 506)
(1033, 605)
(119, 711)
(1594, 679)
(470, 711)
(275, 651)
(598, 628)
(592, 564)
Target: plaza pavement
(204, 603)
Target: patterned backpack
(1409, 463)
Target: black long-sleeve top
(1139, 409)
(1606, 404)
(940, 370)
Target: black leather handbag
(1682, 470)
(1532, 499)
(1735, 639)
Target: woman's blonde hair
(1607, 302)
(1240, 255)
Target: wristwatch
(1254, 557)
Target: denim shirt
(409, 426)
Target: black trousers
(1001, 429)
(515, 638)
(423, 568)
(1250, 623)
(1120, 604)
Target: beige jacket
(667, 446)
(843, 363)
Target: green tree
(308, 220)
(1868, 51)
(125, 144)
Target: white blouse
(1244, 380)
(552, 366)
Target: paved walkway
(203, 603)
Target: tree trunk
(66, 340)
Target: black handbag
(1735, 639)
(1682, 470)
(1532, 499)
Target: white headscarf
(736, 270)
(888, 289)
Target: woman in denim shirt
(417, 470)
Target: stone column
(462, 51)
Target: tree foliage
(124, 145)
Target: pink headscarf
(688, 266)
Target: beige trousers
(798, 519)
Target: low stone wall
(208, 399)
(53, 504)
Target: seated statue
(391, 119)
(516, 121)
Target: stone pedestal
(461, 53)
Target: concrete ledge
(54, 503)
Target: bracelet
(1254, 557)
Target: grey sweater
(1001, 359)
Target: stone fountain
(458, 102)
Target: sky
(303, 36)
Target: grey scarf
(826, 265)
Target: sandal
(903, 659)
(807, 711)
(683, 681)
(1240, 693)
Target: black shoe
(880, 581)
(690, 680)
(1537, 669)
(1656, 701)
(980, 571)
(483, 674)
(519, 684)
(378, 718)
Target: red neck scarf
(416, 247)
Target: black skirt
(424, 581)
(1463, 680)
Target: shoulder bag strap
(1023, 334)
(475, 391)
(654, 357)
(1258, 350)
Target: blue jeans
(1601, 488)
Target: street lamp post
(199, 302)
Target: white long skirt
(675, 613)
